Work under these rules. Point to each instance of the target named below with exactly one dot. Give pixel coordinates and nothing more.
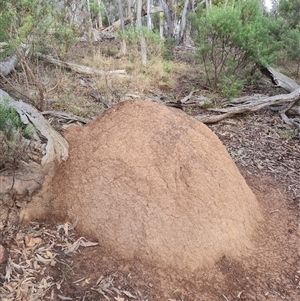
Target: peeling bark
(28, 178)
(255, 103)
(8, 65)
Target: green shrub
(154, 44)
(169, 47)
(292, 47)
(12, 135)
(230, 39)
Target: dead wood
(251, 106)
(79, 68)
(8, 65)
(54, 149)
(279, 79)
(66, 116)
(257, 102)
(188, 97)
(57, 146)
(116, 25)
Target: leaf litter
(33, 250)
(36, 249)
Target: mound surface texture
(150, 182)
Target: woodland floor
(51, 262)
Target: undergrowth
(13, 133)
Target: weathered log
(66, 116)
(279, 79)
(257, 102)
(57, 146)
(79, 68)
(29, 176)
(8, 65)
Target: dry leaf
(32, 241)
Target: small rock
(3, 255)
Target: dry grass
(70, 92)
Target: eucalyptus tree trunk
(161, 25)
(208, 4)
(142, 38)
(100, 23)
(123, 47)
(167, 8)
(129, 8)
(149, 21)
(183, 21)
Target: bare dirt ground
(52, 262)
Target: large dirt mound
(150, 182)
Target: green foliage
(10, 122)
(12, 134)
(154, 44)
(230, 39)
(39, 24)
(167, 67)
(169, 47)
(11, 125)
(231, 86)
(289, 10)
(292, 42)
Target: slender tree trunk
(161, 25)
(167, 8)
(123, 46)
(89, 12)
(100, 23)
(142, 38)
(183, 21)
(149, 22)
(129, 8)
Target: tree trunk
(167, 8)
(142, 38)
(100, 23)
(22, 182)
(183, 21)
(149, 22)
(123, 47)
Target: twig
(224, 297)
(188, 97)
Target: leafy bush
(154, 44)
(37, 24)
(292, 47)
(12, 135)
(169, 47)
(231, 39)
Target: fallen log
(255, 103)
(79, 68)
(279, 79)
(251, 106)
(28, 177)
(57, 146)
(65, 116)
